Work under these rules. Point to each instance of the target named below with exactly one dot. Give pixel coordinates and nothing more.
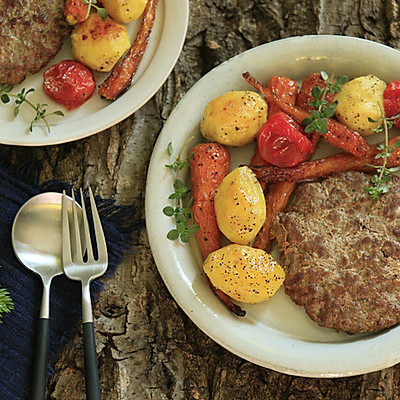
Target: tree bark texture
(144, 353)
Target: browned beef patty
(341, 252)
(31, 34)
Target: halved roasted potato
(234, 118)
(124, 10)
(244, 273)
(99, 43)
(240, 205)
(361, 99)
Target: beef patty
(31, 34)
(341, 252)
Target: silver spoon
(36, 239)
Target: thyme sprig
(21, 98)
(318, 120)
(181, 213)
(383, 173)
(101, 12)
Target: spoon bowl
(36, 234)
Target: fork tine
(88, 240)
(76, 230)
(66, 243)
(100, 239)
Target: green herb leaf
(169, 211)
(328, 111)
(21, 98)
(180, 218)
(170, 149)
(101, 12)
(192, 229)
(324, 75)
(341, 80)
(316, 92)
(6, 88)
(384, 174)
(180, 213)
(173, 234)
(318, 121)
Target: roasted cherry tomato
(281, 143)
(391, 100)
(75, 11)
(69, 83)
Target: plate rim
(154, 220)
(176, 18)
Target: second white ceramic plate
(165, 44)
(276, 334)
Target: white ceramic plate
(165, 44)
(276, 334)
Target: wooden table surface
(143, 352)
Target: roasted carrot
(277, 197)
(305, 97)
(258, 160)
(226, 300)
(122, 74)
(284, 88)
(208, 167)
(339, 135)
(324, 167)
(309, 170)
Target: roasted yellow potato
(360, 99)
(124, 10)
(234, 118)
(244, 273)
(239, 204)
(99, 44)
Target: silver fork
(84, 269)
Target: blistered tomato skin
(281, 143)
(69, 83)
(391, 100)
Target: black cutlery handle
(38, 391)
(91, 369)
